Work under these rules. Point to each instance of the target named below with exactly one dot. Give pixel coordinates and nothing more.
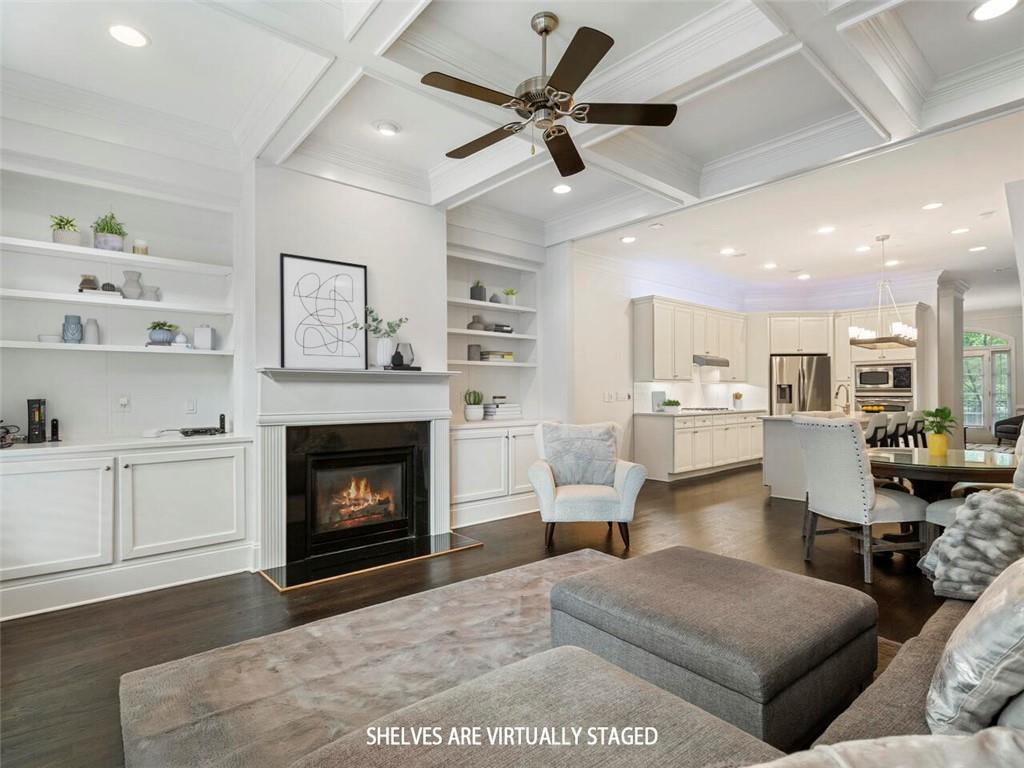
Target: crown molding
(808, 147)
(465, 58)
(840, 294)
(486, 218)
(639, 160)
(362, 162)
(614, 212)
(991, 83)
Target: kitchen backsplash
(696, 395)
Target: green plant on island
(670, 403)
(108, 225)
(940, 421)
(376, 325)
(162, 325)
(63, 224)
(510, 292)
(473, 397)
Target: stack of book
(496, 356)
(499, 411)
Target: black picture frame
(356, 311)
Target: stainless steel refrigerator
(801, 383)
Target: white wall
(401, 243)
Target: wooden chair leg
(812, 528)
(549, 535)
(866, 549)
(609, 526)
(624, 533)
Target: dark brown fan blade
(629, 114)
(465, 88)
(485, 141)
(586, 50)
(564, 153)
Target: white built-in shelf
(60, 347)
(371, 374)
(59, 250)
(489, 305)
(491, 423)
(491, 334)
(491, 364)
(113, 444)
(111, 299)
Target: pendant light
(898, 335)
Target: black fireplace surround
(357, 494)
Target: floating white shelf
(21, 245)
(111, 300)
(58, 347)
(489, 305)
(491, 363)
(491, 334)
(374, 374)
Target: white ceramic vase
(474, 413)
(107, 242)
(91, 334)
(66, 237)
(385, 349)
(132, 288)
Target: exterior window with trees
(988, 378)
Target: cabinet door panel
(757, 440)
(682, 366)
(734, 348)
(522, 453)
(743, 452)
(683, 451)
(814, 335)
(713, 334)
(176, 500)
(56, 516)
(664, 323)
(700, 332)
(785, 335)
(479, 464)
(702, 448)
(842, 357)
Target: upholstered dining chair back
(876, 429)
(897, 432)
(915, 429)
(839, 481)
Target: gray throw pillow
(982, 666)
(580, 454)
(1012, 715)
(987, 535)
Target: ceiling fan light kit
(901, 335)
(545, 99)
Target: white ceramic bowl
(50, 338)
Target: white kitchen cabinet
(703, 448)
(757, 439)
(842, 357)
(522, 453)
(733, 347)
(662, 341)
(673, 447)
(725, 444)
(480, 464)
(682, 343)
(707, 333)
(169, 501)
(792, 335)
(57, 515)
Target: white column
(272, 496)
(440, 474)
(950, 343)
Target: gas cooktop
(705, 409)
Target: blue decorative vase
(71, 331)
(161, 336)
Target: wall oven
(884, 403)
(893, 377)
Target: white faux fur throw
(987, 535)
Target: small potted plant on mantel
(65, 230)
(474, 405)
(108, 233)
(477, 291)
(670, 406)
(510, 296)
(939, 425)
(383, 332)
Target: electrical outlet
(622, 396)
(609, 397)
(191, 407)
(124, 404)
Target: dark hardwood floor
(60, 671)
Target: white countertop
(114, 444)
(858, 415)
(728, 412)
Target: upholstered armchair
(579, 477)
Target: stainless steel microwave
(895, 377)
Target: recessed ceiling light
(992, 9)
(892, 263)
(561, 189)
(387, 128)
(628, 239)
(129, 36)
(803, 276)
(827, 229)
(959, 231)
(657, 225)
(862, 248)
(728, 251)
(931, 206)
(770, 265)
(977, 248)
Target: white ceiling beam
(634, 158)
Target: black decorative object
(223, 424)
(397, 361)
(37, 420)
(54, 431)
(477, 291)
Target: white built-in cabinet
(667, 334)
(672, 447)
(793, 335)
(491, 464)
(842, 357)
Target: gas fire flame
(359, 495)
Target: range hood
(713, 361)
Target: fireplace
(355, 494)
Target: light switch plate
(191, 407)
(124, 404)
(609, 397)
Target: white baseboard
(674, 476)
(476, 512)
(42, 594)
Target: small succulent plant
(162, 325)
(108, 225)
(671, 403)
(473, 397)
(63, 224)
(510, 292)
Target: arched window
(988, 378)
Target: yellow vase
(938, 445)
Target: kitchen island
(783, 457)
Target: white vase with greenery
(65, 230)
(383, 331)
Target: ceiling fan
(543, 100)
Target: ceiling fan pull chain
(533, 139)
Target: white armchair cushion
(585, 502)
(580, 455)
(892, 506)
(588, 502)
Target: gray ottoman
(774, 653)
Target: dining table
(933, 476)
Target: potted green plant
(383, 331)
(510, 296)
(939, 425)
(670, 406)
(161, 332)
(474, 405)
(65, 230)
(477, 291)
(108, 233)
